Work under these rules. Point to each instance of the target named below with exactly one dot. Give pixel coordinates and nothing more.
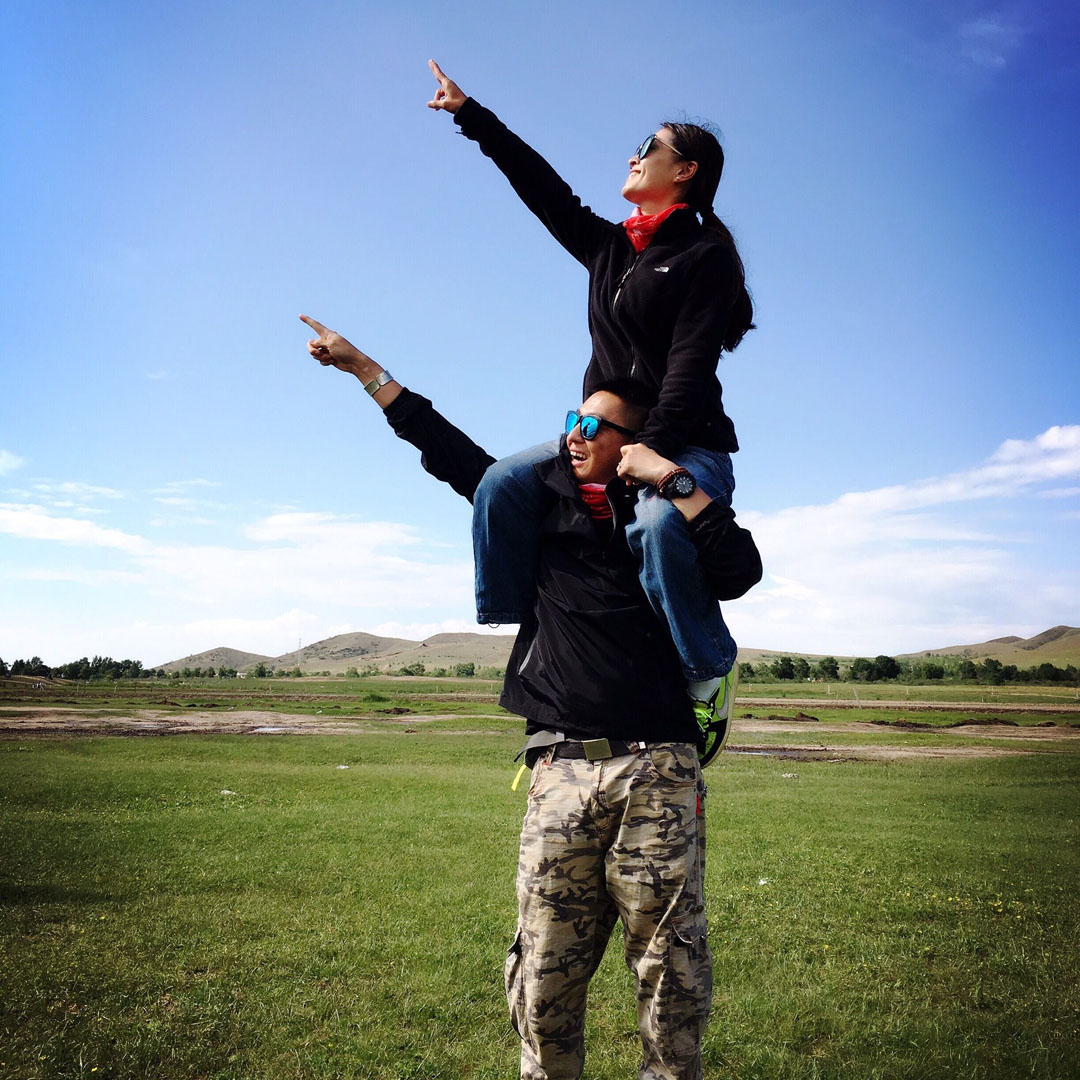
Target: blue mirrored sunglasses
(591, 425)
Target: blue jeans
(509, 505)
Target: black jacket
(592, 659)
(659, 317)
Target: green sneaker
(714, 715)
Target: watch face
(684, 485)
(679, 486)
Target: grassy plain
(375, 696)
(240, 907)
(1008, 693)
(421, 692)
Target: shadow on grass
(15, 895)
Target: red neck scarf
(596, 501)
(642, 227)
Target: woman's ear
(686, 172)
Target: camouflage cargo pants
(621, 838)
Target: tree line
(922, 670)
(105, 667)
(828, 669)
(101, 667)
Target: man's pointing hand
(332, 350)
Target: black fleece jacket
(659, 317)
(592, 659)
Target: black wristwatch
(678, 484)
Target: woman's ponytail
(698, 144)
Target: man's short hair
(635, 393)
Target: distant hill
(445, 650)
(338, 654)
(230, 658)
(1059, 645)
(344, 651)
(757, 656)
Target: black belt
(571, 749)
(594, 749)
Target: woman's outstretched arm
(537, 184)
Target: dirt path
(875, 753)
(978, 707)
(856, 727)
(46, 722)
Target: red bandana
(596, 501)
(641, 227)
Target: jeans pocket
(514, 979)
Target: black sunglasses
(591, 425)
(647, 145)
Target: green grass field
(464, 695)
(868, 920)
(368, 696)
(1011, 693)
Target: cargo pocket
(684, 1006)
(674, 763)
(514, 977)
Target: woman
(667, 295)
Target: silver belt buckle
(596, 749)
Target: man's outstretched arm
(446, 451)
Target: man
(615, 826)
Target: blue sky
(180, 181)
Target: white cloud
(893, 569)
(187, 519)
(314, 557)
(888, 570)
(270, 636)
(181, 502)
(79, 575)
(989, 41)
(179, 495)
(176, 487)
(30, 522)
(74, 490)
(66, 495)
(9, 462)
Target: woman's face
(651, 183)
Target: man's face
(594, 460)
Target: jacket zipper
(622, 280)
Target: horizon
(174, 468)
(744, 649)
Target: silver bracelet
(380, 380)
